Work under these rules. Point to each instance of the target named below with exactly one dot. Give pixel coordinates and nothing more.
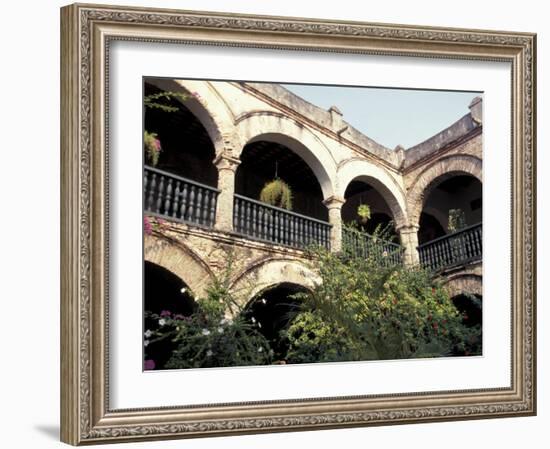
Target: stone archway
(180, 260)
(277, 128)
(381, 180)
(440, 170)
(464, 283)
(206, 106)
(270, 272)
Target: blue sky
(391, 116)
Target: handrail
(180, 178)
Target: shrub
(216, 335)
(364, 310)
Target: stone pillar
(334, 205)
(409, 239)
(227, 167)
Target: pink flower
(149, 365)
(165, 313)
(156, 143)
(147, 226)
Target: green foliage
(277, 193)
(457, 220)
(364, 310)
(152, 148)
(164, 101)
(216, 335)
(364, 212)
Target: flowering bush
(363, 310)
(151, 224)
(209, 337)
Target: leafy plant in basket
(277, 193)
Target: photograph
(306, 223)
(299, 243)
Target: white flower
(263, 301)
(145, 342)
(223, 321)
(205, 332)
(259, 324)
(209, 353)
(253, 320)
(385, 254)
(183, 290)
(148, 333)
(162, 322)
(260, 349)
(220, 330)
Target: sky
(391, 117)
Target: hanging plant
(364, 212)
(277, 193)
(152, 148)
(457, 220)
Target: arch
(381, 180)
(180, 260)
(271, 272)
(461, 284)
(206, 105)
(277, 128)
(440, 170)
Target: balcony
(179, 199)
(271, 224)
(365, 245)
(454, 249)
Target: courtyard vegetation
(363, 308)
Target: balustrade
(177, 198)
(365, 245)
(273, 224)
(452, 249)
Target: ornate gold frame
(86, 31)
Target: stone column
(227, 167)
(409, 239)
(334, 205)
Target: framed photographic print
(278, 224)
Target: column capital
(226, 161)
(334, 202)
(408, 228)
